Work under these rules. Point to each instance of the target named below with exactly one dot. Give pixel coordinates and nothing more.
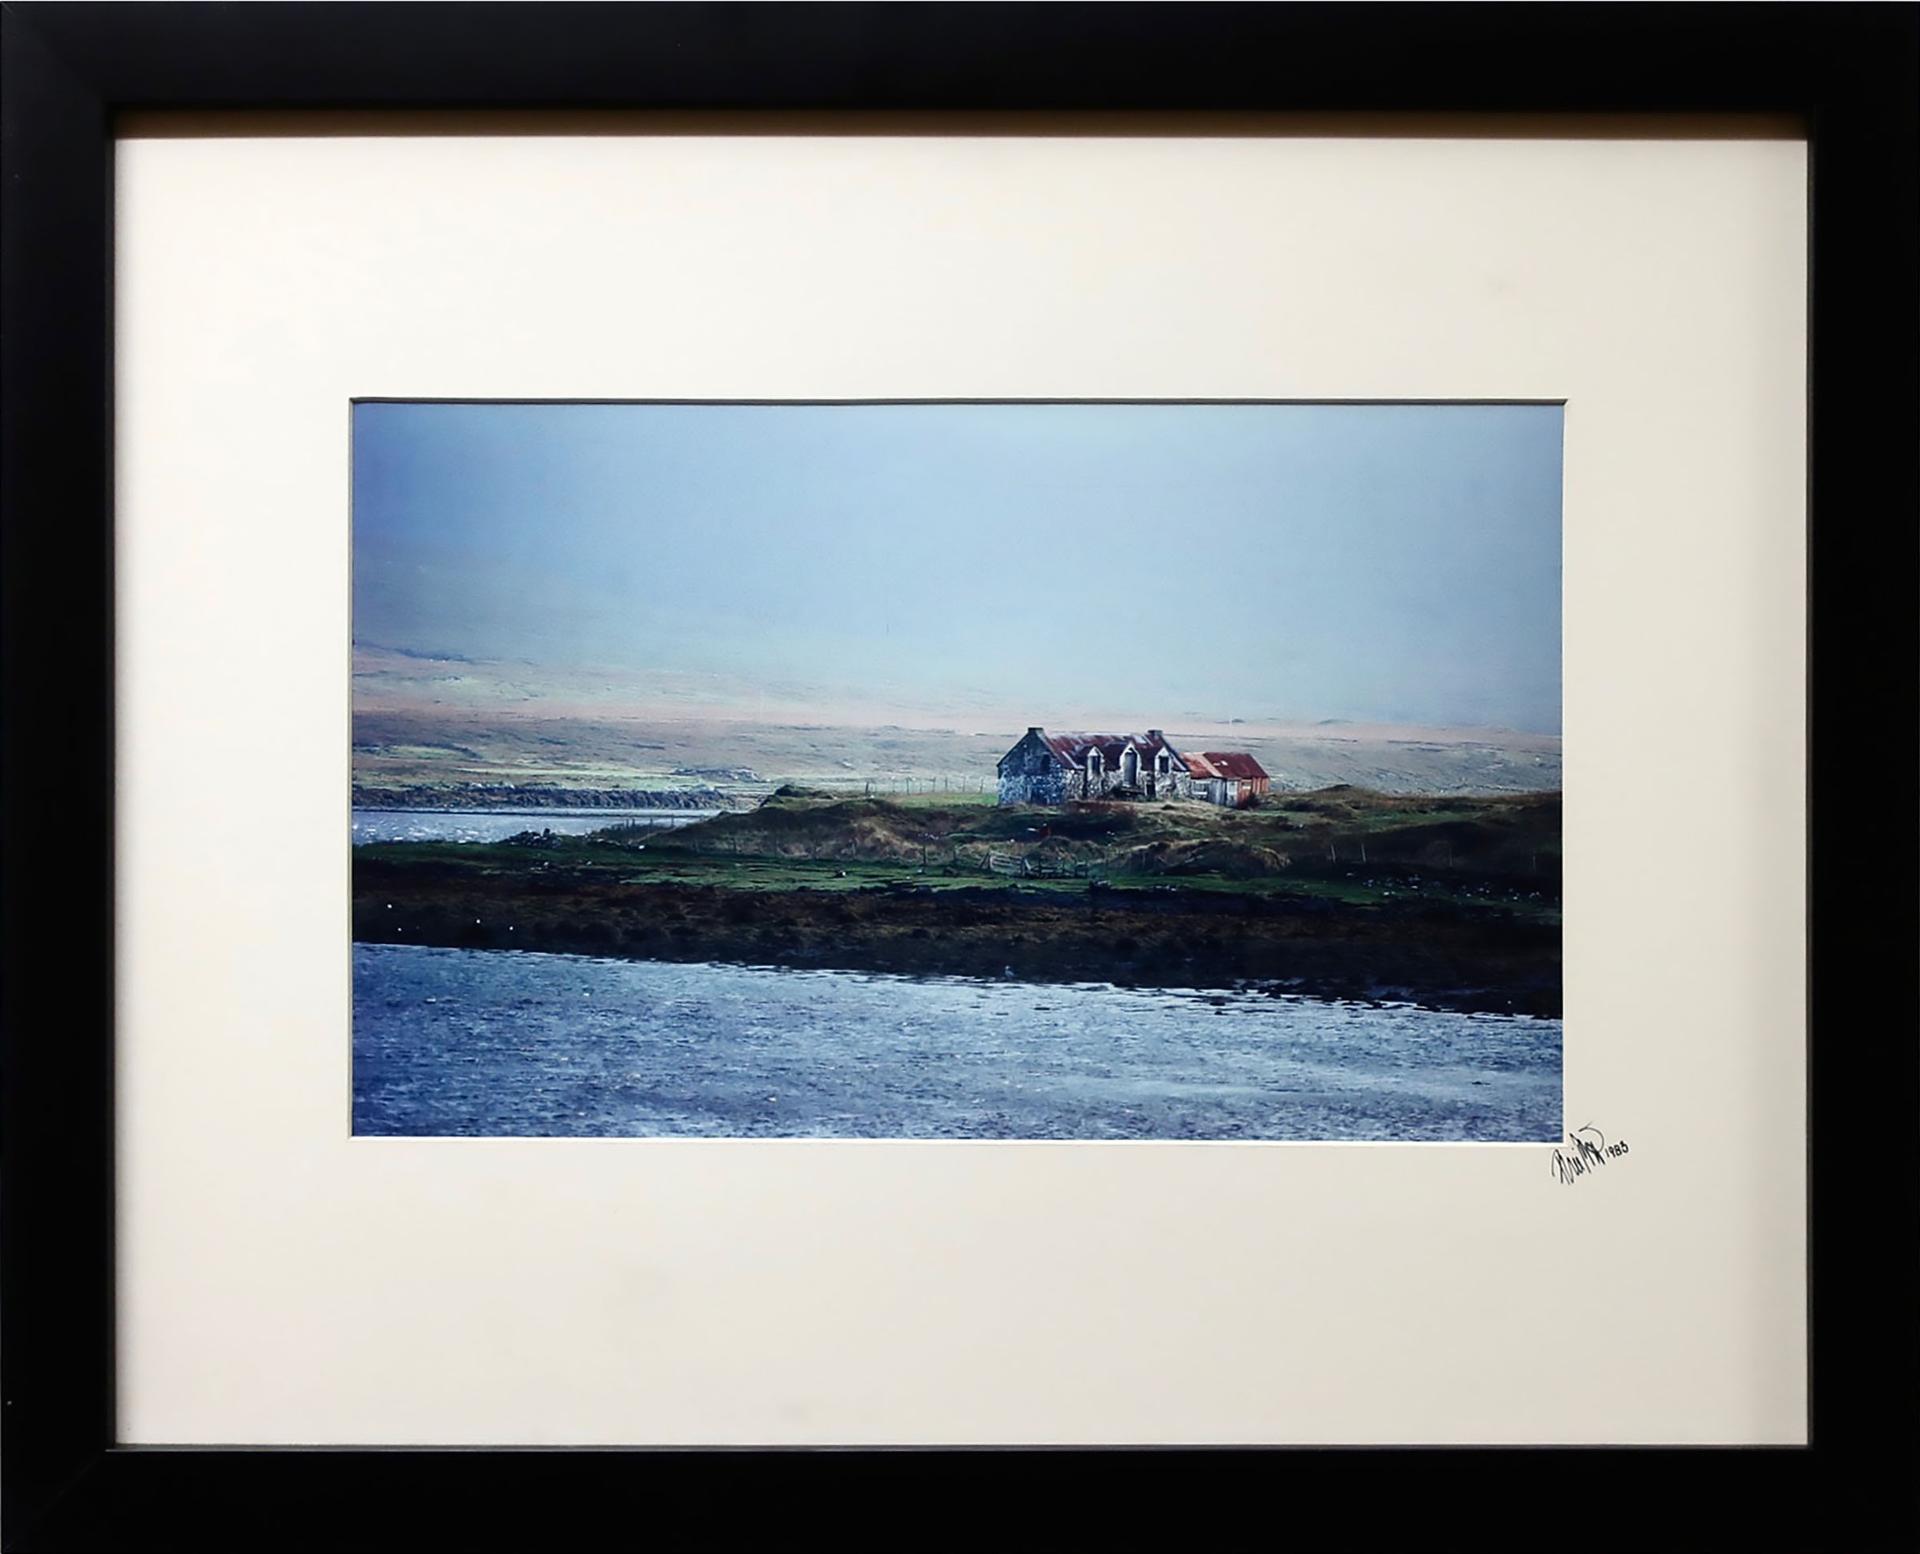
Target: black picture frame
(1849, 71)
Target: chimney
(1034, 728)
(1157, 733)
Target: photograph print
(957, 770)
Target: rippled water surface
(493, 1042)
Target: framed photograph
(670, 821)
(822, 757)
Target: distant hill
(422, 720)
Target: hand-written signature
(1586, 1149)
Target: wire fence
(908, 787)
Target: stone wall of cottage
(1174, 785)
(1029, 774)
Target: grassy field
(1343, 845)
(1342, 841)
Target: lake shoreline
(531, 798)
(1462, 959)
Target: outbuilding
(1230, 777)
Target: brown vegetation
(1348, 894)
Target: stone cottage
(1048, 768)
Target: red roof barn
(1232, 777)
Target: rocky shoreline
(514, 796)
(1444, 957)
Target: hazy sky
(1368, 562)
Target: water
(494, 1042)
(493, 825)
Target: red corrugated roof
(1073, 748)
(1236, 764)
